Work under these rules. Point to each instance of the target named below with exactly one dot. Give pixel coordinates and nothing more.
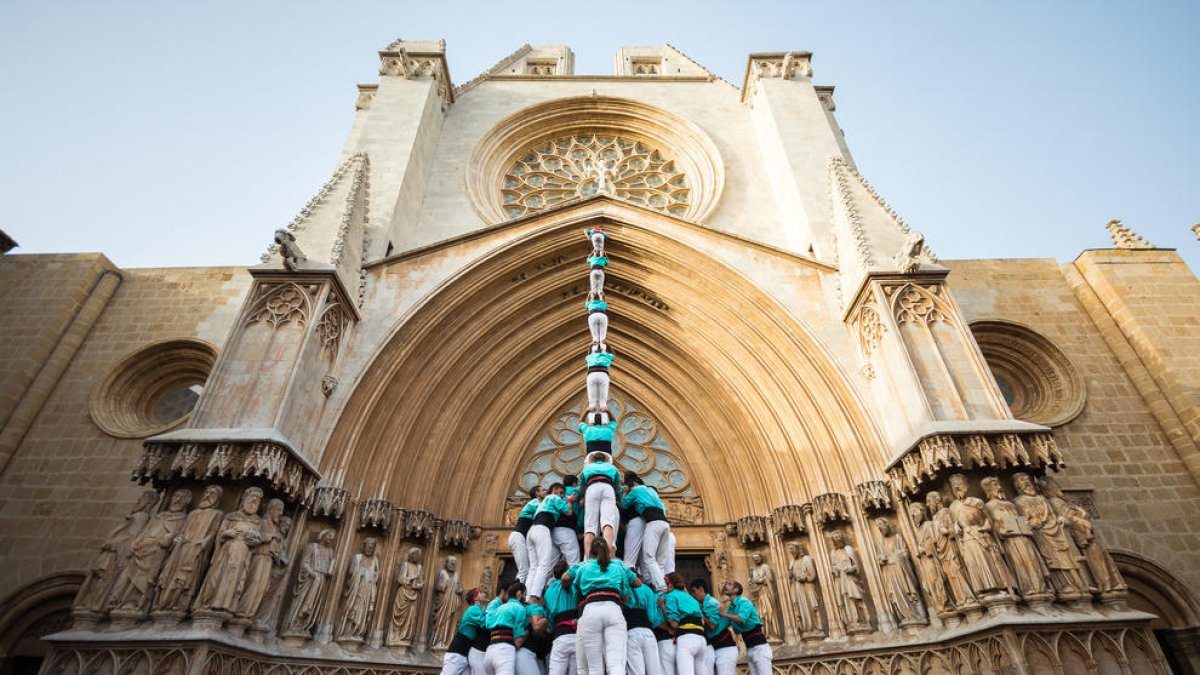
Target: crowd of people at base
(603, 615)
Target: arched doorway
(1153, 589)
(31, 613)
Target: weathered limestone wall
(68, 484)
(1147, 499)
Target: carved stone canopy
(788, 519)
(752, 529)
(830, 508)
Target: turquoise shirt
(472, 620)
(712, 612)
(747, 612)
(603, 359)
(642, 497)
(594, 305)
(574, 490)
(597, 260)
(601, 469)
(490, 611)
(559, 600)
(587, 577)
(644, 598)
(555, 505)
(533, 609)
(598, 432)
(511, 615)
(679, 605)
(529, 510)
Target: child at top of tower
(597, 237)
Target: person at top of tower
(654, 538)
(687, 621)
(744, 620)
(598, 362)
(597, 236)
(517, 542)
(600, 478)
(598, 323)
(604, 584)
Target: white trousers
(597, 280)
(725, 660)
(601, 636)
(689, 654)
(641, 653)
(562, 656)
(710, 659)
(476, 658)
(500, 659)
(567, 544)
(759, 659)
(666, 656)
(597, 389)
(598, 325)
(454, 664)
(597, 243)
(527, 662)
(520, 553)
(600, 509)
(656, 548)
(669, 564)
(542, 556)
(633, 544)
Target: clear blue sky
(184, 133)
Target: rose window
(582, 165)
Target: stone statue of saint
(1033, 579)
(132, 592)
(268, 610)
(262, 559)
(847, 589)
(316, 566)
(240, 532)
(411, 579)
(114, 553)
(1050, 535)
(761, 589)
(802, 572)
(945, 549)
(933, 580)
(896, 574)
(362, 587)
(184, 569)
(986, 570)
(1101, 565)
(447, 603)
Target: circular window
(1036, 379)
(153, 389)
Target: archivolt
(444, 415)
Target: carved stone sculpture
(114, 553)
(132, 592)
(847, 587)
(362, 588)
(896, 573)
(184, 568)
(802, 572)
(986, 570)
(909, 258)
(1032, 577)
(411, 579)
(316, 566)
(262, 559)
(1101, 565)
(1050, 535)
(289, 251)
(447, 603)
(761, 589)
(240, 532)
(268, 610)
(945, 549)
(929, 569)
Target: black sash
(599, 446)
(565, 623)
(523, 525)
(602, 595)
(544, 518)
(636, 617)
(597, 369)
(600, 478)
(482, 638)
(755, 637)
(692, 624)
(653, 513)
(723, 639)
(661, 633)
(461, 644)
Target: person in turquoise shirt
(542, 551)
(506, 624)
(562, 610)
(721, 651)
(598, 322)
(517, 542)
(683, 614)
(576, 498)
(642, 617)
(604, 584)
(600, 479)
(597, 237)
(536, 640)
(598, 363)
(462, 650)
(597, 429)
(744, 619)
(596, 276)
(654, 534)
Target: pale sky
(185, 133)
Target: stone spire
(1123, 237)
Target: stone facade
(832, 406)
